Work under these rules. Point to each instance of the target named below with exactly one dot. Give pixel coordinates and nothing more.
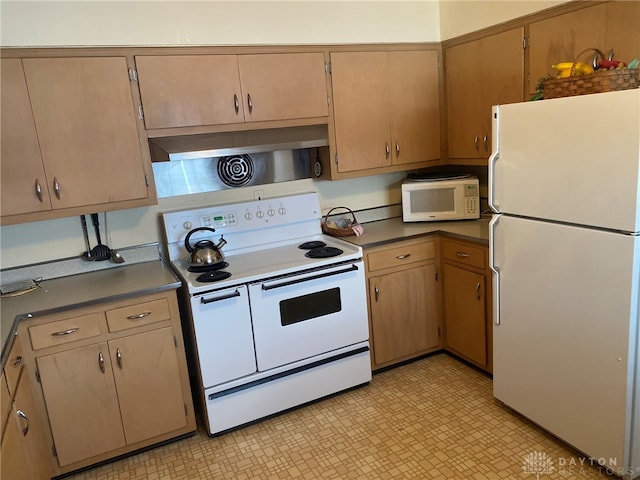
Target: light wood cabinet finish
(25, 453)
(403, 301)
(561, 38)
(121, 386)
(386, 108)
(200, 90)
(481, 73)
(22, 171)
(466, 295)
(90, 156)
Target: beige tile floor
(431, 419)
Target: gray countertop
(82, 290)
(392, 229)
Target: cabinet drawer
(65, 331)
(13, 367)
(464, 253)
(401, 255)
(137, 315)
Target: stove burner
(208, 268)
(235, 170)
(312, 244)
(323, 252)
(214, 276)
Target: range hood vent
(209, 145)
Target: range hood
(210, 145)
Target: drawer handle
(402, 257)
(119, 357)
(23, 415)
(101, 362)
(139, 316)
(65, 332)
(462, 254)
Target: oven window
(306, 307)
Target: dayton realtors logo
(537, 463)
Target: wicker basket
(339, 232)
(598, 82)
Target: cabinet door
(464, 99)
(148, 382)
(622, 30)
(403, 313)
(283, 86)
(33, 430)
(15, 462)
(464, 313)
(414, 106)
(561, 38)
(82, 403)
(189, 90)
(84, 116)
(361, 110)
(502, 78)
(22, 171)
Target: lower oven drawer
(222, 325)
(299, 316)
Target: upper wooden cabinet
(386, 107)
(481, 73)
(201, 90)
(612, 25)
(70, 140)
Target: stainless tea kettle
(204, 252)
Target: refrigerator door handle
(495, 270)
(495, 156)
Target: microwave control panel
(471, 198)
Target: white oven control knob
(187, 225)
(282, 211)
(259, 214)
(248, 216)
(271, 212)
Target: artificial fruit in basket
(564, 69)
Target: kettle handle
(187, 245)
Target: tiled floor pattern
(431, 419)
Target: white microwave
(436, 198)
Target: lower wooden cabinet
(25, 451)
(113, 378)
(403, 301)
(466, 295)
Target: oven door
(298, 316)
(224, 339)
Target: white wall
(181, 22)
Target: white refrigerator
(565, 259)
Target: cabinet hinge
(140, 113)
(525, 43)
(327, 67)
(133, 75)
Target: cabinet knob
(56, 187)
(476, 143)
(119, 358)
(23, 415)
(138, 316)
(236, 103)
(101, 362)
(250, 103)
(387, 149)
(484, 141)
(462, 254)
(377, 292)
(38, 190)
(402, 257)
(65, 332)
(397, 149)
(478, 291)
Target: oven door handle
(217, 299)
(306, 279)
